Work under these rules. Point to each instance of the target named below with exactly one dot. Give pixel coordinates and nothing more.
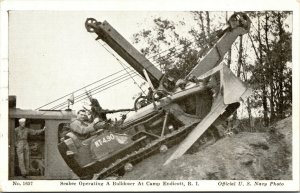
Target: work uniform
(21, 135)
(81, 127)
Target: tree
(174, 53)
(273, 55)
(266, 67)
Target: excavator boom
(120, 45)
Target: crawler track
(169, 140)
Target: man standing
(21, 135)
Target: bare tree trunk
(229, 51)
(201, 21)
(263, 84)
(281, 68)
(208, 23)
(208, 29)
(269, 69)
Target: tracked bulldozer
(173, 113)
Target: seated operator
(80, 126)
(100, 114)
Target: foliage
(173, 53)
(271, 73)
(262, 59)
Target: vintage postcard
(139, 96)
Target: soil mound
(243, 156)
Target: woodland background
(262, 58)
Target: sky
(51, 54)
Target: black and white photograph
(101, 99)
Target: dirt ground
(242, 156)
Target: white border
(153, 5)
